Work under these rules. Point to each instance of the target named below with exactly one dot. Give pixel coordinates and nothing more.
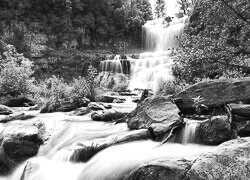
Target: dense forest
(77, 23)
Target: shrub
(168, 87)
(121, 87)
(15, 73)
(53, 92)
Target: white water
(150, 69)
(110, 164)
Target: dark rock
(4, 110)
(105, 98)
(213, 93)
(65, 106)
(107, 115)
(81, 111)
(240, 109)
(156, 109)
(95, 106)
(214, 131)
(20, 102)
(229, 160)
(243, 129)
(128, 94)
(20, 142)
(166, 169)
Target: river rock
(164, 169)
(95, 106)
(105, 98)
(5, 110)
(19, 102)
(213, 93)
(214, 131)
(20, 141)
(107, 115)
(156, 109)
(87, 149)
(81, 111)
(229, 160)
(71, 105)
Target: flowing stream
(57, 160)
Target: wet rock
(105, 98)
(213, 93)
(128, 93)
(214, 131)
(164, 169)
(95, 106)
(20, 142)
(107, 115)
(85, 150)
(156, 109)
(65, 106)
(81, 111)
(4, 110)
(19, 102)
(229, 160)
(71, 105)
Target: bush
(52, 93)
(121, 87)
(168, 87)
(15, 73)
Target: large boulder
(154, 110)
(214, 131)
(213, 93)
(5, 110)
(164, 169)
(18, 143)
(229, 160)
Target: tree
(216, 42)
(15, 73)
(160, 8)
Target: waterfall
(112, 66)
(161, 37)
(188, 134)
(153, 68)
(150, 69)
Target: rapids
(110, 164)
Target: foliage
(215, 42)
(91, 75)
(159, 9)
(52, 92)
(185, 6)
(120, 87)
(15, 72)
(73, 19)
(168, 87)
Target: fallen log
(213, 93)
(240, 109)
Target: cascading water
(152, 68)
